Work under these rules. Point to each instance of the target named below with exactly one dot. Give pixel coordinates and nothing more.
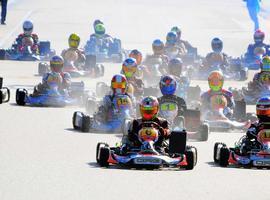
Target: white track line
(14, 30)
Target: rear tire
(216, 160)
(224, 156)
(74, 121)
(85, 123)
(190, 158)
(43, 68)
(20, 97)
(204, 132)
(104, 154)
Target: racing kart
(105, 51)
(251, 94)
(148, 155)
(253, 61)
(257, 156)
(221, 119)
(99, 121)
(234, 71)
(89, 68)
(4, 92)
(45, 52)
(52, 96)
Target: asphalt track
(41, 157)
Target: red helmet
(259, 36)
(149, 107)
(119, 84)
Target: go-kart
(122, 109)
(257, 156)
(147, 155)
(234, 71)
(4, 92)
(44, 53)
(88, 68)
(105, 51)
(220, 117)
(253, 61)
(52, 96)
(190, 120)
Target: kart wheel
(104, 154)
(2, 54)
(85, 123)
(216, 146)
(20, 97)
(190, 158)
(194, 150)
(74, 119)
(243, 75)
(99, 145)
(101, 89)
(179, 122)
(91, 106)
(43, 68)
(224, 156)
(204, 132)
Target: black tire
(85, 123)
(91, 106)
(193, 149)
(104, 154)
(224, 156)
(42, 68)
(98, 148)
(190, 158)
(2, 54)
(243, 75)
(177, 142)
(73, 121)
(179, 122)
(215, 151)
(204, 132)
(20, 97)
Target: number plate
(147, 161)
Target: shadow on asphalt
(213, 164)
(122, 167)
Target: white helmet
(28, 27)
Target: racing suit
(206, 105)
(136, 126)
(149, 63)
(20, 46)
(101, 41)
(185, 44)
(213, 58)
(41, 87)
(179, 46)
(251, 47)
(180, 102)
(250, 141)
(137, 86)
(259, 79)
(112, 112)
(78, 62)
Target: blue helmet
(167, 85)
(171, 38)
(158, 46)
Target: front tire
(20, 97)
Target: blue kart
(45, 53)
(105, 51)
(52, 96)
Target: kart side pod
(177, 142)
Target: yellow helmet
(74, 41)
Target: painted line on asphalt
(14, 30)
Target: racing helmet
(265, 64)
(258, 36)
(56, 64)
(217, 45)
(171, 38)
(215, 81)
(97, 21)
(100, 29)
(167, 85)
(175, 66)
(129, 67)
(119, 84)
(149, 108)
(158, 47)
(178, 31)
(74, 41)
(28, 27)
(137, 55)
(263, 109)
